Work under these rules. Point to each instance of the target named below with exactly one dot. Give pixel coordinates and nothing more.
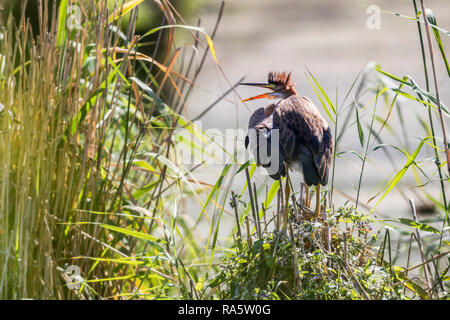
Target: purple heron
(304, 136)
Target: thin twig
(295, 257)
(419, 242)
(433, 68)
(264, 215)
(437, 256)
(252, 202)
(409, 256)
(356, 280)
(212, 105)
(249, 237)
(258, 222)
(436, 272)
(237, 215)
(202, 61)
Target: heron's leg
(306, 195)
(317, 212)
(287, 191)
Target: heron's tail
(325, 158)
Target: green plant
(86, 159)
(301, 265)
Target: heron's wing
(260, 141)
(300, 125)
(257, 117)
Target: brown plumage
(305, 138)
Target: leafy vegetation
(304, 265)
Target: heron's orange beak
(268, 95)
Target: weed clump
(334, 259)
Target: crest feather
(279, 78)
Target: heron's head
(280, 85)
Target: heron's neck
(288, 92)
(292, 91)
(270, 108)
(278, 103)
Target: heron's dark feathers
(258, 120)
(304, 136)
(256, 117)
(279, 78)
